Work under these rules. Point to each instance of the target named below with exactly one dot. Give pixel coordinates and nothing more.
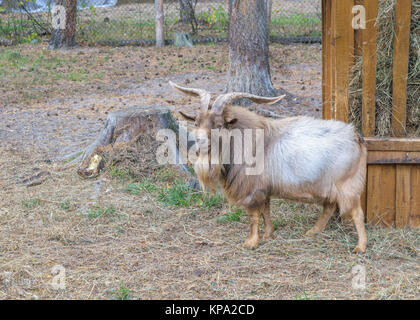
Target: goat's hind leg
(358, 219)
(327, 212)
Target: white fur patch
(312, 150)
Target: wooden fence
(392, 196)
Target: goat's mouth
(205, 149)
(204, 156)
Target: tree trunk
(269, 8)
(159, 22)
(64, 32)
(185, 11)
(249, 69)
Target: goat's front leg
(268, 224)
(254, 219)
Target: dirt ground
(109, 242)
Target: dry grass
(32, 75)
(115, 244)
(385, 26)
(123, 239)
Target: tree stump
(129, 139)
(182, 40)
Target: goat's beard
(208, 174)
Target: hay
(385, 39)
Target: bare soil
(114, 244)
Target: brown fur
(254, 192)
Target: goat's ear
(229, 121)
(186, 116)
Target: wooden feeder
(392, 196)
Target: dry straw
(385, 40)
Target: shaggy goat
(305, 159)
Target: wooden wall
(392, 195)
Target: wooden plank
(395, 157)
(358, 43)
(392, 144)
(414, 220)
(325, 66)
(344, 56)
(381, 195)
(400, 66)
(369, 68)
(332, 58)
(403, 195)
(358, 35)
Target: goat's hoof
(359, 249)
(268, 236)
(311, 233)
(251, 243)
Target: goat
(305, 159)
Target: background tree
(65, 37)
(185, 10)
(187, 13)
(249, 69)
(159, 23)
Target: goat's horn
(203, 94)
(224, 99)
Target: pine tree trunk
(269, 9)
(185, 14)
(65, 38)
(249, 69)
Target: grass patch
(30, 204)
(215, 200)
(179, 194)
(145, 185)
(295, 25)
(279, 222)
(20, 30)
(97, 212)
(119, 174)
(65, 205)
(304, 296)
(29, 73)
(122, 293)
(175, 194)
(165, 175)
(233, 216)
